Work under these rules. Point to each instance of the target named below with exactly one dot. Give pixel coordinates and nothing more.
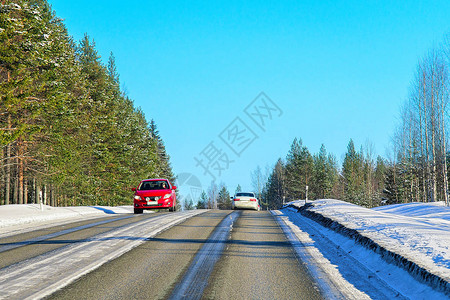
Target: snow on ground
(24, 217)
(345, 269)
(417, 231)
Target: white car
(245, 201)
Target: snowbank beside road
(24, 217)
(418, 233)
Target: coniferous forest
(68, 134)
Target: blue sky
(336, 70)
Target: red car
(153, 194)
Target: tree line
(420, 170)
(416, 171)
(68, 134)
(217, 196)
(303, 175)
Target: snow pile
(434, 210)
(414, 235)
(19, 214)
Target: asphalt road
(217, 254)
(150, 271)
(257, 263)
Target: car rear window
(154, 185)
(245, 195)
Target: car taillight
(236, 199)
(252, 199)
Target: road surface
(193, 255)
(200, 254)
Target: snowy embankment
(24, 217)
(414, 236)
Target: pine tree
(325, 174)
(293, 171)
(223, 199)
(393, 192)
(276, 187)
(202, 202)
(112, 69)
(353, 173)
(189, 205)
(238, 189)
(299, 171)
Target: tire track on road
(196, 277)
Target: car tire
(173, 208)
(138, 210)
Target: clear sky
(334, 70)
